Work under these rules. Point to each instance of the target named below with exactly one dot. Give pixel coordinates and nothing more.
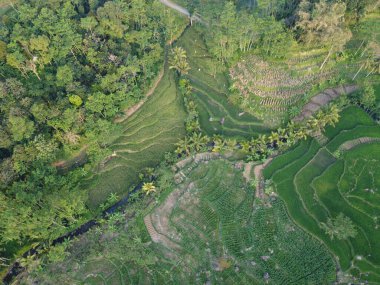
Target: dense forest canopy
(67, 68)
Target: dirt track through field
(322, 99)
(353, 143)
(258, 171)
(130, 111)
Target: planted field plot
(210, 83)
(147, 135)
(268, 89)
(212, 227)
(342, 177)
(206, 229)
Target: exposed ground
(317, 182)
(258, 171)
(322, 99)
(211, 223)
(130, 111)
(77, 160)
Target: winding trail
(130, 111)
(64, 166)
(322, 99)
(183, 11)
(176, 7)
(258, 171)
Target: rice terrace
(190, 142)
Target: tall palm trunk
(326, 59)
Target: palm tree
(291, 138)
(283, 137)
(183, 146)
(333, 116)
(262, 143)
(314, 124)
(301, 134)
(255, 145)
(273, 138)
(148, 188)
(245, 146)
(218, 143)
(231, 144)
(197, 141)
(178, 60)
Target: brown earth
(353, 143)
(63, 166)
(130, 111)
(258, 171)
(322, 99)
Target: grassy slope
(146, 137)
(217, 219)
(309, 188)
(211, 92)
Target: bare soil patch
(353, 143)
(158, 221)
(64, 166)
(323, 99)
(130, 111)
(258, 171)
(247, 171)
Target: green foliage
(368, 98)
(340, 227)
(217, 225)
(21, 128)
(333, 198)
(178, 60)
(275, 40)
(323, 24)
(75, 100)
(67, 68)
(58, 253)
(3, 50)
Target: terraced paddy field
(146, 136)
(207, 229)
(320, 182)
(210, 83)
(268, 90)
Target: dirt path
(176, 7)
(158, 222)
(258, 171)
(130, 111)
(353, 143)
(64, 166)
(322, 99)
(247, 171)
(182, 10)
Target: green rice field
(146, 136)
(210, 83)
(209, 229)
(317, 185)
